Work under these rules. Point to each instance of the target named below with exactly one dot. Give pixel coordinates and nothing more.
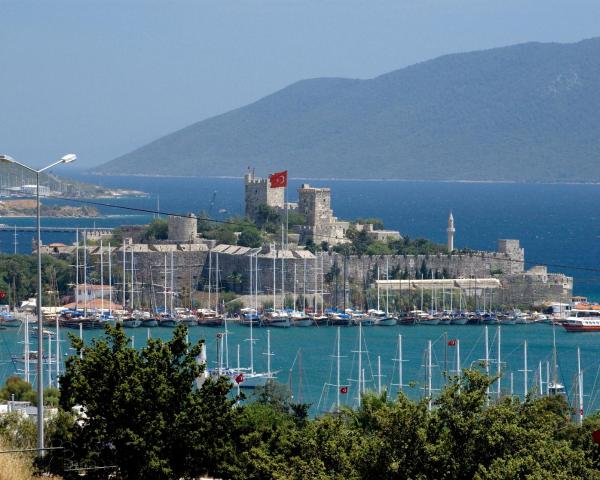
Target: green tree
(158, 229)
(15, 388)
(379, 248)
(250, 237)
(142, 411)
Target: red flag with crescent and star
(344, 390)
(278, 179)
(239, 378)
(452, 343)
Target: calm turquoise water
(318, 368)
(557, 224)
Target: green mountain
(527, 112)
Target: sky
(101, 78)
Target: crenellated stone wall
(192, 263)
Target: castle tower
(450, 230)
(258, 192)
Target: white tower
(450, 230)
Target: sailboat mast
(238, 366)
(172, 289)
(251, 326)
(274, 277)
(499, 363)
(360, 386)
(109, 281)
(554, 359)
(209, 274)
(580, 385)
(316, 286)
(57, 350)
(421, 292)
(429, 385)
(165, 286)
(294, 287)
(269, 353)
(379, 374)
(217, 281)
(124, 275)
(525, 369)
(26, 347)
(85, 296)
(487, 364)
(400, 361)
(132, 281)
(387, 286)
(322, 285)
(282, 270)
(304, 286)
(378, 288)
(76, 269)
(337, 401)
(101, 278)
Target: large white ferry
(582, 321)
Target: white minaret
(450, 231)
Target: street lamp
(40, 372)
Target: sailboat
(249, 378)
(339, 388)
(207, 317)
(250, 316)
(554, 387)
(129, 320)
(299, 317)
(384, 319)
(166, 318)
(274, 317)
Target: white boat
(277, 319)
(427, 319)
(582, 321)
(382, 319)
(301, 319)
(521, 318)
(459, 320)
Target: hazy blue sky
(101, 78)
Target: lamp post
(40, 371)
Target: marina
(316, 345)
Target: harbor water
(304, 357)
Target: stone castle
(314, 203)
(187, 255)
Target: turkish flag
(596, 436)
(278, 180)
(2, 294)
(452, 343)
(239, 378)
(344, 390)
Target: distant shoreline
(400, 180)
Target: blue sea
(558, 226)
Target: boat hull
(132, 323)
(386, 322)
(581, 328)
(168, 323)
(278, 323)
(210, 322)
(459, 321)
(302, 322)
